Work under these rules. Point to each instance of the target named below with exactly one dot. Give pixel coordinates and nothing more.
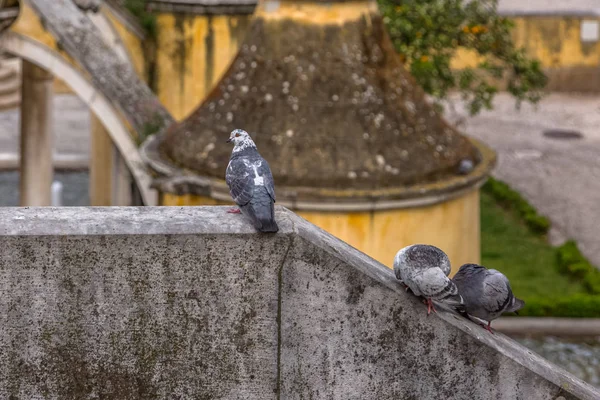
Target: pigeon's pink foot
(488, 327)
(430, 306)
(234, 211)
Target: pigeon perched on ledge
(251, 183)
(486, 293)
(424, 269)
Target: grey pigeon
(486, 293)
(251, 183)
(465, 166)
(424, 269)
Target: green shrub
(567, 254)
(146, 19)
(572, 263)
(511, 200)
(553, 281)
(592, 281)
(579, 305)
(537, 223)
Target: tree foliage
(428, 34)
(139, 8)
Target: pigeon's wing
(240, 181)
(445, 264)
(412, 279)
(496, 293)
(265, 171)
(400, 263)
(469, 280)
(433, 283)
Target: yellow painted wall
(555, 41)
(193, 52)
(569, 63)
(453, 226)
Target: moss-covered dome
(328, 102)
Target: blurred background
(498, 117)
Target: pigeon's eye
(237, 135)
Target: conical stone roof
(319, 87)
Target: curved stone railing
(190, 302)
(112, 75)
(57, 36)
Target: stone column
(109, 176)
(37, 142)
(100, 164)
(121, 180)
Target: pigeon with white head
(251, 183)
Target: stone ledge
(142, 302)
(77, 221)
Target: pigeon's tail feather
(267, 221)
(269, 226)
(261, 212)
(516, 305)
(262, 221)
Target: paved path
(561, 178)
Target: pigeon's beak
(229, 140)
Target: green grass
(525, 257)
(512, 200)
(553, 281)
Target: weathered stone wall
(190, 302)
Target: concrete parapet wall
(190, 302)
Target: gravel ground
(560, 177)
(581, 356)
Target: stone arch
(38, 54)
(60, 38)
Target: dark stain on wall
(179, 56)
(238, 30)
(209, 42)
